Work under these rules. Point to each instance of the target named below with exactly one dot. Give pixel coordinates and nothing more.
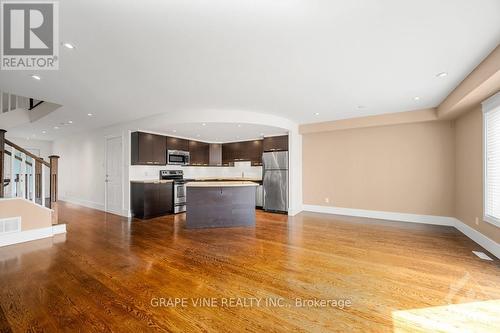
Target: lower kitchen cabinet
(151, 199)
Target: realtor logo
(29, 35)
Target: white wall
(81, 166)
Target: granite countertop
(251, 179)
(153, 181)
(221, 184)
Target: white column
(33, 182)
(13, 187)
(43, 185)
(22, 177)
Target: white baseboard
(374, 214)
(93, 205)
(59, 229)
(487, 243)
(31, 235)
(85, 203)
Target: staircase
(30, 184)
(17, 110)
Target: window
(491, 129)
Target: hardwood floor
(108, 274)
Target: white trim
(94, 205)
(491, 220)
(391, 216)
(491, 104)
(31, 235)
(59, 229)
(487, 243)
(106, 138)
(85, 203)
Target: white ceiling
(291, 58)
(216, 132)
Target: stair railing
(33, 190)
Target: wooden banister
(37, 174)
(2, 162)
(27, 153)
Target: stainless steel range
(179, 188)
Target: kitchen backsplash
(146, 172)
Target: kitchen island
(218, 204)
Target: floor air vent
(10, 225)
(482, 255)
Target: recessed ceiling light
(56, 127)
(316, 113)
(70, 121)
(90, 114)
(442, 74)
(203, 124)
(416, 98)
(174, 131)
(36, 77)
(239, 125)
(43, 132)
(69, 46)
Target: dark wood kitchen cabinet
(148, 149)
(177, 144)
(276, 143)
(242, 151)
(199, 153)
(151, 199)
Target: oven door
(179, 194)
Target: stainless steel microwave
(178, 157)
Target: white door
(114, 179)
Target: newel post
(2, 162)
(53, 186)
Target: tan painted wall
(469, 173)
(407, 168)
(32, 216)
(397, 118)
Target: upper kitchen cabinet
(242, 151)
(215, 155)
(177, 144)
(276, 143)
(255, 149)
(199, 153)
(148, 149)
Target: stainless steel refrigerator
(275, 181)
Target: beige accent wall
(406, 168)
(397, 118)
(481, 83)
(469, 173)
(32, 216)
